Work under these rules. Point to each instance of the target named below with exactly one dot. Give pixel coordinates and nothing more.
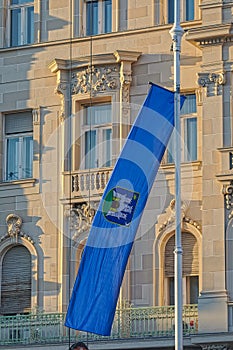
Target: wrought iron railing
(128, 323)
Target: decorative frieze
(215, 347)
(95, 79)
(212, 82)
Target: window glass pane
(92, 17)
(90, 149)
(190, 105)
(30, 25)
(170, 11)
(99, 114)
(107, 16)
(27, 157)
(190, 139)
(19, 2)
(171, 291)
(189, 10)
(171, 149)
(12, 154)
(194, 289)
(15, 39)
(107, 151)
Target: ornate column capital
(212, 82)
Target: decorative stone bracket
(80, 217)
(212, 82)
(228, 196)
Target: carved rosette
(228, 195)
(212, 82)
(94, 80)
(80, 218)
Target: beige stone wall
(27, 82)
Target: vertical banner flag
(96, 289)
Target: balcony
(82, 184)
(129, 323)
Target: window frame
(21, 136)
(101, 18)
(99, 128)
(23, 35)
(163, 14)
(184, 117)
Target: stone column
(213, 299)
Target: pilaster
(126, 59)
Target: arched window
(16, 281)
(190, 269)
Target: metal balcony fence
(129, 322)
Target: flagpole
(176, 34)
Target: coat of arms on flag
(119, 205)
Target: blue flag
(96, 289)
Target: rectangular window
(171, 286)
(21, 22)
(189, 11)
(97, 131)
(190, 290)
(107, 16)
(92, 17)
(98, 17)
(188, 132)
(171, 10)
(18, 146)
(194, 289)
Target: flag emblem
(119, 205)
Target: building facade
(74, 75)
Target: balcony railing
(129, 323)
(94, 180)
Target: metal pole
(176, 34)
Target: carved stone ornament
(81, 217)
(171, 218)
(62, 89)
(215, 347)
(95, 79)
(14, 224)
(228, 195)
(212, 82)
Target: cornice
(102, 59)
(210, 35)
